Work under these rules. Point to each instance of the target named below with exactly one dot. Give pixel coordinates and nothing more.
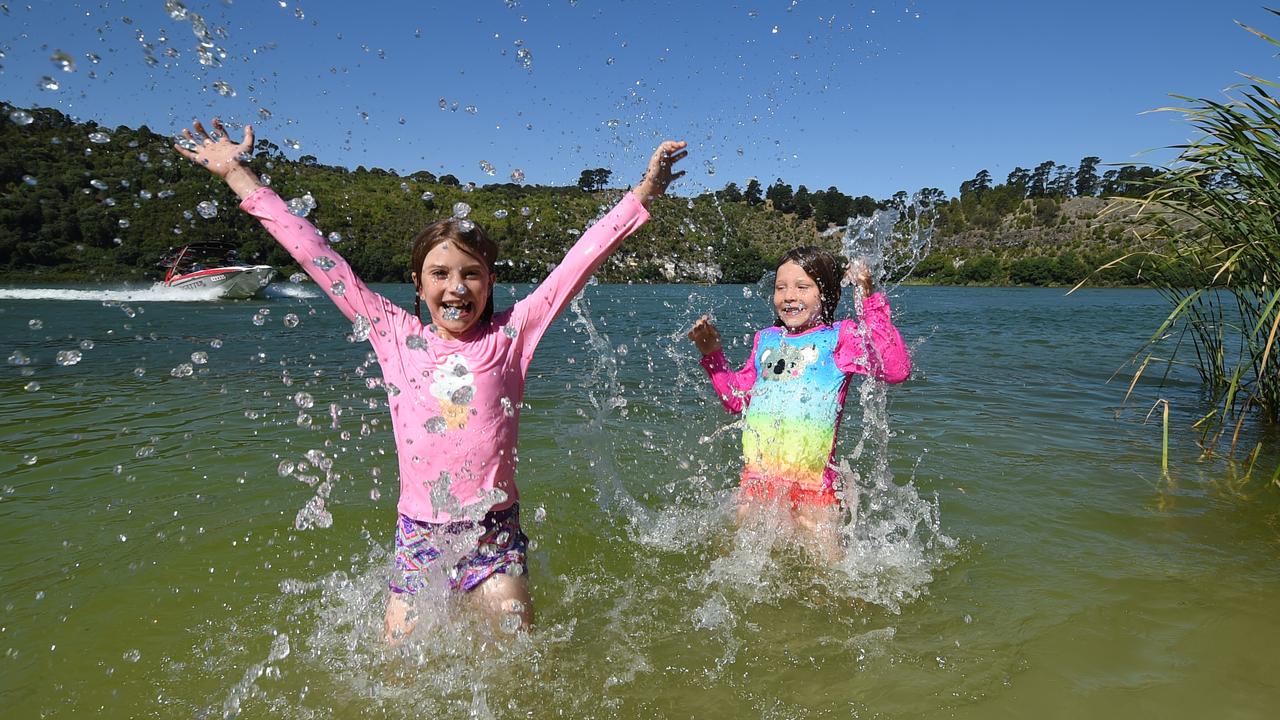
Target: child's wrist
(242, 180)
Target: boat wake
(154, 293)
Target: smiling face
(456, 286)
(796, 298)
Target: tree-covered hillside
(82, 202)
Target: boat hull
(229, 283)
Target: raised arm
(889, 360)
(226, 159)
(545, 303)
(731, 387)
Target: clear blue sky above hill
(869, 97)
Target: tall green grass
(1216, 213)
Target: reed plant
(1215, 215)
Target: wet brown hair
(825, 271)
(473, 241)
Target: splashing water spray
(890, 533)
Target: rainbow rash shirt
(792, 394)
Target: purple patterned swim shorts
(500, 548)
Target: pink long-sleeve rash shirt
(455, 404)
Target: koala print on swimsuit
(786, 362)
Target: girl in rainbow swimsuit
(455, 382)
(793, 387)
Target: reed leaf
(1215, 214)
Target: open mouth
(457, 310)
(795, 311)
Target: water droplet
(436, 425)
(17, 358)
(507, 408)
(444, 104)
(526, 211)
(461, 210)
(223, 88)
(324, 262)
(123, 538)
(710, 166)
(86, 344)
(470, 109)
(335, 238)
(48, 83)
(291, 320)
(215, 343)
(290, 142)
(774, 31)
(99, 138)
(67, 357)
(466, 226)
(487, 167)
(303, 400)
(139, 372)
(258, 319)
(517, 176)
(100, 185)
(200, 357)
(21, 117)
(183, 370)
(132, 656)
(608, 61)
(301, 206)
(510, 331)
(360, 328)
(123, 223)
(612, 123)
(297, 278)
(500, 214)
(29, 179)
(374, 494)
(207, 209)
(338, 288)
(428, 196)
(35, 324)
(63, 61)
(415, 342)
(165, 194)
(264, 113)
(31, 386)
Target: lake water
(1026, 559)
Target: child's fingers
(199, 128)
(247, 143)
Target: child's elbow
(897, 372)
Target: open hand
(222, 157)
(705, 336)
(658, 175)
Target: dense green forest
(83, 202)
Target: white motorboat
(216, 270)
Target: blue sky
(869, 97)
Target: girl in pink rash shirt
(455, 385)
